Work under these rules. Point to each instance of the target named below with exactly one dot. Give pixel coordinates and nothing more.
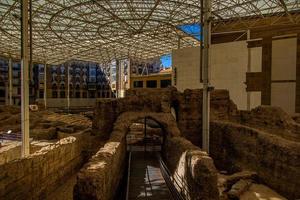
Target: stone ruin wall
(264, 140)
(192, 169)
(37, 175)
(188, 106)
(99, 177)
(276, 160)
(13, 152)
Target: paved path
(146, 181)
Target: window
(54, 94)
(2, 93)
(41, 94)
(92, 95)
(138, 84)
(165, 83)
(77, 94)
(152, 84)
(62, 94)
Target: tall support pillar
(45, 85)
(24, 79)
(298, 75)
(249, 70)
(206, 24)
(68, 92)
(10, 82)
(266, 70)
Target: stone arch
(166, 121)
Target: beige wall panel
(228, 69)
(256, 56)
(187, 63)
(284, 59)
(283, 95)
(255, 99)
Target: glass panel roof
(99, 31)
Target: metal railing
(171, 183)
(128, 175)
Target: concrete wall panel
(283, 95)
(228, 69)
(284, 59)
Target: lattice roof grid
(101, 30)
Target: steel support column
(45, 85)
(24, 79)
(10, 82)
(206, 24)
(249, 70)
(68, 92)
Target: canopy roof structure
(101, 30)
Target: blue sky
(190, 29)
(166, 60)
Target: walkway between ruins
(146, 180)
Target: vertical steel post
(249, 70)
(68, 92)
(45, 85)
(31, 73)
(205, 73)
(10, 74)
(145, 133)
(24, 79)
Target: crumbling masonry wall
(188, 107)
(264, 140)
(276, 160)
(35, 176)
(192, 169)
(100, 176)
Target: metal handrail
(167, 176)
(128, 175)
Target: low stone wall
(12, 151)
(63, 102)
(275, 159)
(272, 120)
(100, 177)
(35, 176)
(192, 169)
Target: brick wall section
(39, 174)
(275, 159)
